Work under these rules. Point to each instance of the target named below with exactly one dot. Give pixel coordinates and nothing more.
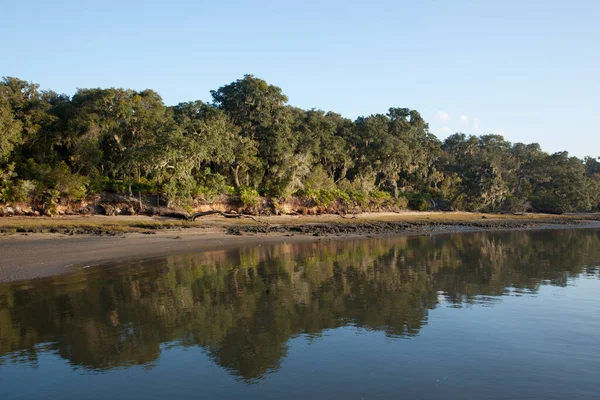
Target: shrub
(6, 181)
(380, 198)
(401, 202)
(325, 197)
(59, 178)
(550, 204)
(248, 196)
(358, 198)
(21, 191)
(318, 179)
(418, 202)
(515, 204)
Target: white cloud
(442, 116)
(476, 122)
(464, 119)
(446, 130)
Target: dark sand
(34, 255)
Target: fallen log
(212, 212)
(193, 217)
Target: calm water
(471, 316)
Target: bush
(318, 179)
(418, 202)
(550, 204)
(72, 186)
(401, 202)
(21, 191)
(59, 178)
(145, 186)
(248, 196)
(6, 182)
(379, 198)
(515, 205)
(358, 198)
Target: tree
(562, 185)
(249, 137)
(483, 165)
(259, 110)
(10, 131)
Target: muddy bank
(35, 255)
(403, 227)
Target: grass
(124, 224)
(89, 224)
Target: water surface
(478, 315)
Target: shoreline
(31, 255)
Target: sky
(528, 70)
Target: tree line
(249, 142)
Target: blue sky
(524, 69)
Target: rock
(35, 213)
(9, 211)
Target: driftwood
(212, 212)
(180, 215)
(343, 215)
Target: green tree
(10, 131)
(259, 110)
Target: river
(485, 315)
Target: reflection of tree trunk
(236, 175)
(235, 282)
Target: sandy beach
(38, 247)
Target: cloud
(442, 116)
(476, 122)
(446, 130)
(464, 119)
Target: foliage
(418, 202)
(211, 185)
(249, 138)
(21, 191)
(249, 197)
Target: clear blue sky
(525, 69)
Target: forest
(248, 143)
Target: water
(480, 315)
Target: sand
(26, 255)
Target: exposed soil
(75, 242)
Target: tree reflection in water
(243, 306)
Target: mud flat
(37, 247)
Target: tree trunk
(395, 189)
(236, 175)
(518, 188)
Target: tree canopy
(248, 139)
